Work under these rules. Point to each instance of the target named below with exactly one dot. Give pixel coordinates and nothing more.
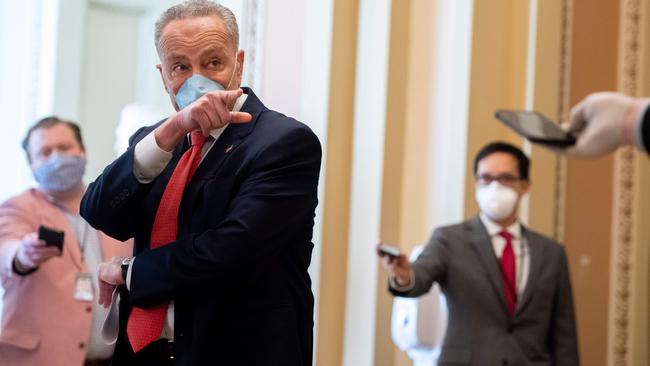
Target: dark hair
(522, 159)
(49, 122)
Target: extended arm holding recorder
(599, 124)
(396, 263)
(606, 121)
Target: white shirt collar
(494, 229)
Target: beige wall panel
(336, 208)
(392, 190)
(546, 100)
(589, 188)
(497, 77)
(414, 229)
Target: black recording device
(51, 237)
(535, 127)
(388, 250)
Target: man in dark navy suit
(220, 198)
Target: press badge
(83, 289)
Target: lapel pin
(228, 149)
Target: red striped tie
(145, 325)
(508, 270)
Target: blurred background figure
(506, 286)
(50, 314)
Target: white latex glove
(33, 252)
(602, 122)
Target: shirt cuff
(128, 274)
(149, 159)
(638, 125)
(8, 251)
(402, 288)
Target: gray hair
(196, 9)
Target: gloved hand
(602, 122)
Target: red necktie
(145, 325)
(508, 270)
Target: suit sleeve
(563, 337)
(644, 129)
(111, 201)
(429, 267)
(268, 213)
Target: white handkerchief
(111, 326)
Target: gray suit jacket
(480, 331)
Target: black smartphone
(388, 250)
(535, 127)
(51, 236)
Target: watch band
(126, 262)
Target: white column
(367, 172)
(69, 59)
(450, 111)
(314, 106)
(531, 58)
(27, 53)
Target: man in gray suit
(507, 287)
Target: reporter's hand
(33, 252)
(109, 275)
(207, 113)
(398, 267)
(602, 122)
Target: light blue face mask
(194, 88)
(60, 172)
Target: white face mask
(496, 200)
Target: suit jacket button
(82, 345)
(505, 362)
(510, 328)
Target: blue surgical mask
(194, 88)
(197, 86)
(60, 172)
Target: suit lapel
(536, 253)
(227, 143)
(482, 244)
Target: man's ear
(525, 187)
(240, 64)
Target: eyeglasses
(505, 179)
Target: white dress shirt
(519, 246)
(149, 161)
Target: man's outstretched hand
(109, 275)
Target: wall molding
(564, 106)
(625, 182)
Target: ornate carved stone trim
(563, 114)
(254, 36)
(624, 185)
